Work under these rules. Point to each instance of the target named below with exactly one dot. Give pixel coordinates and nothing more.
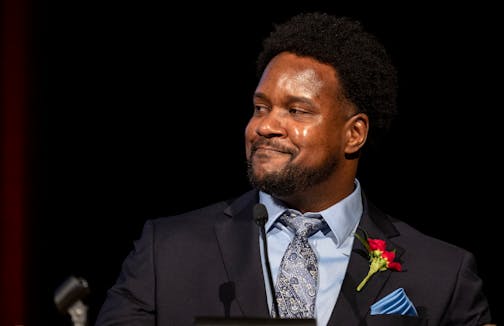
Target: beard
(292, 178)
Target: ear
(356, 134)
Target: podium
(215, 321)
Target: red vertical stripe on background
(13, 165)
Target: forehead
(299, 74)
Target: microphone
(260, 217)
(227, 295)
(68, 299)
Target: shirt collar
(342, 217)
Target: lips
(267, 147)
(269, 154)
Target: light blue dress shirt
(332, 246)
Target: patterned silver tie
(297, 281)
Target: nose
(270, 125)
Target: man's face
(296, 136)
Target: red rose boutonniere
(379, 258)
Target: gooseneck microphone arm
(261, 216)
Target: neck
(321, 196)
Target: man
(326, 89)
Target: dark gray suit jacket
(182, 266)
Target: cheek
(299, 133)
(307, 132)
(249, 134)
(316, 140)
(305, 135)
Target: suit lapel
(352, 306)
(238, 238)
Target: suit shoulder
(204, 216)
(414, 239)
(410, 237)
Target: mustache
(273, 145)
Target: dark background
(140, 108)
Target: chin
(261, 171)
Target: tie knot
(303, 226)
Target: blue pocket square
(396, 302)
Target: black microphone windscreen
(227, 292)
(260, 214)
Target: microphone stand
(261, 216)
(78, 313)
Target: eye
(258, 109)
(297, 111)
